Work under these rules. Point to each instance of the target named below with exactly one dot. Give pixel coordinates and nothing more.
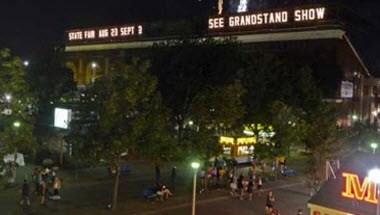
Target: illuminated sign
(220, 7)
(243, 6)
(62, 118)
(267, 18)
(355, 189)
(237, 141)
(347, 89)
(227, 140)
(105, 33)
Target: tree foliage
(290, 128)
(50, 81)
(131, 120)
(17, 106)
(190, 69)
(322, 140)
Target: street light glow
(17, 124)
(374, 175)
(8, 97)
(355, 117)
(94, 65)
(195, 165)
(26, 63)
(374, 145)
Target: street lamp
(94, 67)
(355, 117)
(26, 63)
(17, 124)
(374, 177)
(8, 97)
(195, 166)
(374, 147)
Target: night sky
(28, 26)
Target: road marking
(216, 199)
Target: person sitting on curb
(164, 193)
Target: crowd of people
(47, 186)
(243, 184)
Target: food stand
(237, 147)
(350, 192)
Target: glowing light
(8, 97)
(374, 176)
(243, 6)
(246, 140)
(363, 191)
(226, 140)
(267, 18)
(62, 118)
(248, 132)
(220, 7)
(17, 124)
(26, 63)
(94, 65)
(195, 165)
(105, 33)
(355, 117)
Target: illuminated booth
(245, 145)
(351, 191)
(238, 147)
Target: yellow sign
(319, 210)
(239, 141)
(363, 191)
(246, 140)
(227, 140)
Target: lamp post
(374, 177)
(17, 124)
(195, 166)
(374, 147)
(94, 67)
(26, 63)
(355, 117)
(8, 97)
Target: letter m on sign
(354, 189)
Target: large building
(316, 34)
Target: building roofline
(243, 38)
(304, 34)
(348, 41)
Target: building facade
(316, 34)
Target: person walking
(173, 178)
(240, 186)
(57, 185)
(25, 193)
(44, 192)
(250, 188)
(270, 200)
(36, 177)
(259, 185)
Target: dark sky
(27, 26)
